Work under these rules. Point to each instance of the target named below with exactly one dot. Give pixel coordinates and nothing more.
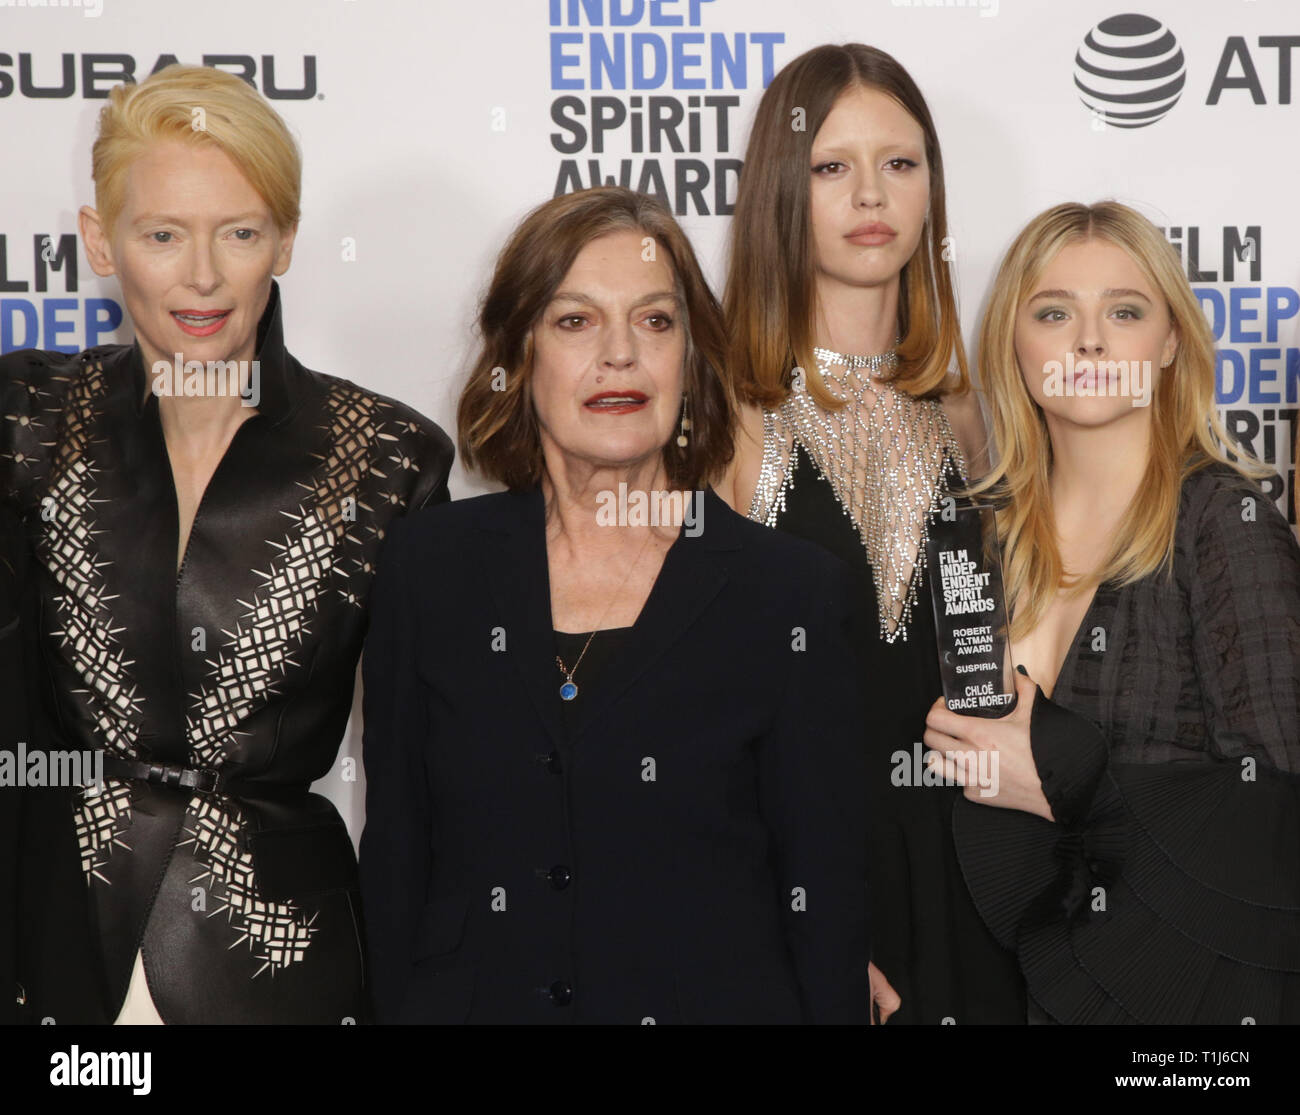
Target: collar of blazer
(514, 558)
(278, 372)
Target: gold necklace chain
(569, 690)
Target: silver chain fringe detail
(884, 455)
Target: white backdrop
(430, 128)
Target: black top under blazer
(695, 853)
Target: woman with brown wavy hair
(846, 353)
(602, 783)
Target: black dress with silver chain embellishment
(928, 939)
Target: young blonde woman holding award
(1142, 852)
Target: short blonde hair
(1186, 434)
(197, 104)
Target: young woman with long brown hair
(846, 351)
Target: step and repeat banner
(429, 127)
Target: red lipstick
(617, 402)
(200, 323)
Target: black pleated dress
(1167, 889)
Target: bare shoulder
(966, 417)
(741, 478)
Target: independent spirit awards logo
(1130, 71)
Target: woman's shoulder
(37, 385)
(1216, 479)
(41, 368)
(444, 523)
(402, 418)
(736, 486)
(966, 419)
(23, 359)
(1230, 530)
(1217, 501)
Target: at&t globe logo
(1129, 71)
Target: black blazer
(696, 853)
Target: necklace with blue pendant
(568, 691)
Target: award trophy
(970, 610)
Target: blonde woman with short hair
(207, 514)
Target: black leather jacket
(243, 899)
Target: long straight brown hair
(771, 289)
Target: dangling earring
(685, 425)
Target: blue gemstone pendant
(568, 691)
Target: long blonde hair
(1186, 434)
